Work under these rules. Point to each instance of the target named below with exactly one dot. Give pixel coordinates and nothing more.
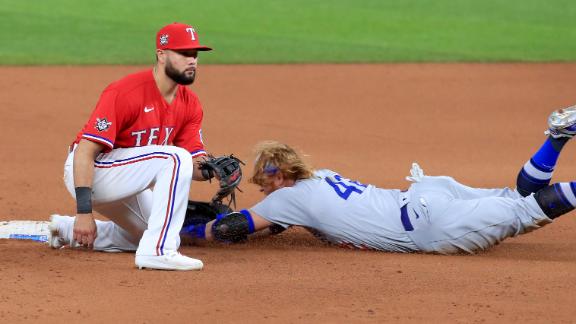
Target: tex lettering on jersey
(153, 136)
(131, 113)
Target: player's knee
(183, 154)
(233, 227)
(526, 185)
(182, 158)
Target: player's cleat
(170, 261)
(562, 123)
(56, 238)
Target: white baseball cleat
(56, 239)
(562, 123)
(170, 261)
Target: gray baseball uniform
(437, 214)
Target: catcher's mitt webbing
(227, 169)
(207, 173)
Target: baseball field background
(292, 31)
(365, 88)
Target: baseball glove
(201, 212)
(227, 170)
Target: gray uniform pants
(448, 217)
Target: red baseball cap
(177, 36)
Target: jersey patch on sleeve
(102, 125)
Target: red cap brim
(198, 48)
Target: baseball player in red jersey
(135, 158)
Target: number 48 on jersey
(345, 187)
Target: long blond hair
(273, 157)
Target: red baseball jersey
(131, 112)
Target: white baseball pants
(144, 192)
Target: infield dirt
(478, 123)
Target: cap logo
(191, 31)
(164, 39)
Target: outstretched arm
(235, 225)
(231, 228)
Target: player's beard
(177, 76)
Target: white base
(25, 230)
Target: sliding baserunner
(436, 214)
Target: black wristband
(207, 174)
(83, 200)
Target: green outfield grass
(291, 31)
